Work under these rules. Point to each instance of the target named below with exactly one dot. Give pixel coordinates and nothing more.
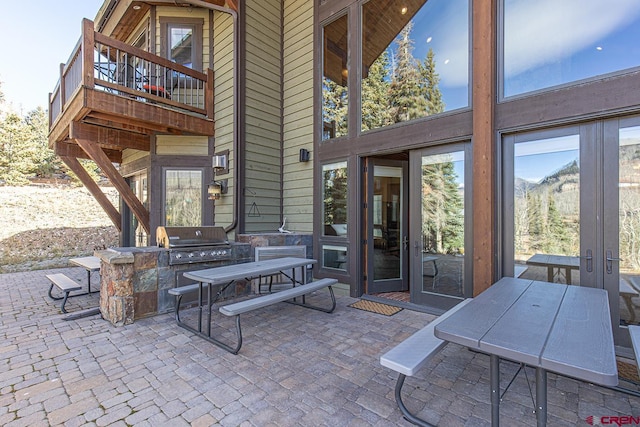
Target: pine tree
(407, 99)
(375, 95)
(430, 84)
(442, 208)
(335, 106)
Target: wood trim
(101, 159)
(94, 189)
(484, 150)
(69, 148)
(111, 137)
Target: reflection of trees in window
(442, 209)
(398, 87)
(546, 214)
(334, 181)
(183, 198)
(629, 211)
(334, 114)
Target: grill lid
(184, 237)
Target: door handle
(416, 247)
(610, 259)
(405, 243)
(589, 258)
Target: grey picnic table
(227, 275)
(550, 326)
(89, 263)
(552, 262)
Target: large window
(335, 96)
(415, 58)
(549, 43)
(183, 197)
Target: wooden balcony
(107, 84)
(111, 97)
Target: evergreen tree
(375, 95)
(407, 99)
(430, 84)
(335, 104)
(16, 152)
(442, 208)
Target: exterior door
(438, 225)
(386, 230)
(572, 211)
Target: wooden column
(484, 144)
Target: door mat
(376, 307)
(627, 371)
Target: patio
(300, 368)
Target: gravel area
(43, 225)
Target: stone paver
(296, 367)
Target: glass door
(386, 229)
(138, 237)
(572, 211)
(621, 240)
(438, 228)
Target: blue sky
(38, 35)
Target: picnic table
(558, 262)
(552, 327)
(89, 263)
(226, 276)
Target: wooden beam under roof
(94, 189)
(69, 148)
(110, 137)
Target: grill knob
(178, 256)
(191, 255)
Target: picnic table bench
(412, 354)
(66, 284)
(227, 275)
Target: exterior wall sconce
(216, 189)
(305, 155)
(219, 162)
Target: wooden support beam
(97, 155)
(94, 189)
(68, 148)
(110, 137)
(484, 144)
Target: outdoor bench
(238, 308)
(412, 354)
(634, 331)
(66, 284)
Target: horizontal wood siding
(181, 145)
(263, 118)
(298, 114)
(223, 111)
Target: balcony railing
(102, 63)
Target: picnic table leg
(494, 370)
(568, 275)
(541, 396)
(89, 282)
(550, 274)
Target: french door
(439, 226)
(571, 211)
(386, 230)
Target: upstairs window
(181, 41)
(549, 43)
(415, 57)
(335, 94)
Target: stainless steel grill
(189, 245)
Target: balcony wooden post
(87, 49)
(61, 95)
(209, 96)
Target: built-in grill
(189, 245)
